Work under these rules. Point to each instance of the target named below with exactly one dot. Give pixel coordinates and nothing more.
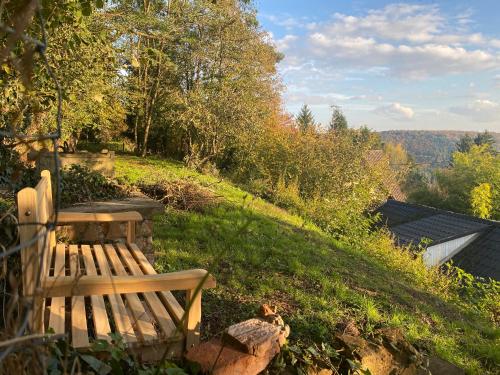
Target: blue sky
(390, 65)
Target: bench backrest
(35, 210)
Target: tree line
(193, 80)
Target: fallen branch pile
(181, 194)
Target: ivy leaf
(98, 366)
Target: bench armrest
(85, 217)
(68, 286)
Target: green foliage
(481, 201)
(79, 184)
(104, 358)
(479, 294)
(83, 59)
(338, 121)
(465, 143)
(288, 195)
(484, 138)
(471, 185)
(305, 119)
(14, 174)
(200, 77)
(299, 358)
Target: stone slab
(146, 206)
(253, 336)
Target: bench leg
(193, 318)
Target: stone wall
(103, 162)
(109, 232)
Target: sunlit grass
(262, 254)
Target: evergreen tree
(484, 138)
(465, 143)
(338, 121)
(305, 118)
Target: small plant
(301, 359)
(104, 358)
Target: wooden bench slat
(57, 305)
(120, 314)
(157, 308)
(174, 308)
(139, 314)
(100, 317)
(79, 332)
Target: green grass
(260, 253)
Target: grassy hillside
(260, 253)
(429, 147)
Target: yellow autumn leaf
(98, 97)
(134, 62)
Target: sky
(390, 65)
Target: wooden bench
(90, 291)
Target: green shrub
(287, 195)
(79, 184)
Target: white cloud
(284, 43)
(481, 110)
(316, 99)
(396, 111)
(409, 41)
(287, 21)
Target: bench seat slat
(161, 314)
(174, 308)
(139, 315)
(57, 304)
(79, 331)
(100, 318)
(120, 315)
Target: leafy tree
(338, 121)
(465, 143)
(305, 118)
(481, 203)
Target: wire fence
(14, 138)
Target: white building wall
(439, 254)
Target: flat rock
(254, 336)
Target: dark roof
(482, 257)
(394, 212)
(411, 223)
(439, 228)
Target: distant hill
(432, 148)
